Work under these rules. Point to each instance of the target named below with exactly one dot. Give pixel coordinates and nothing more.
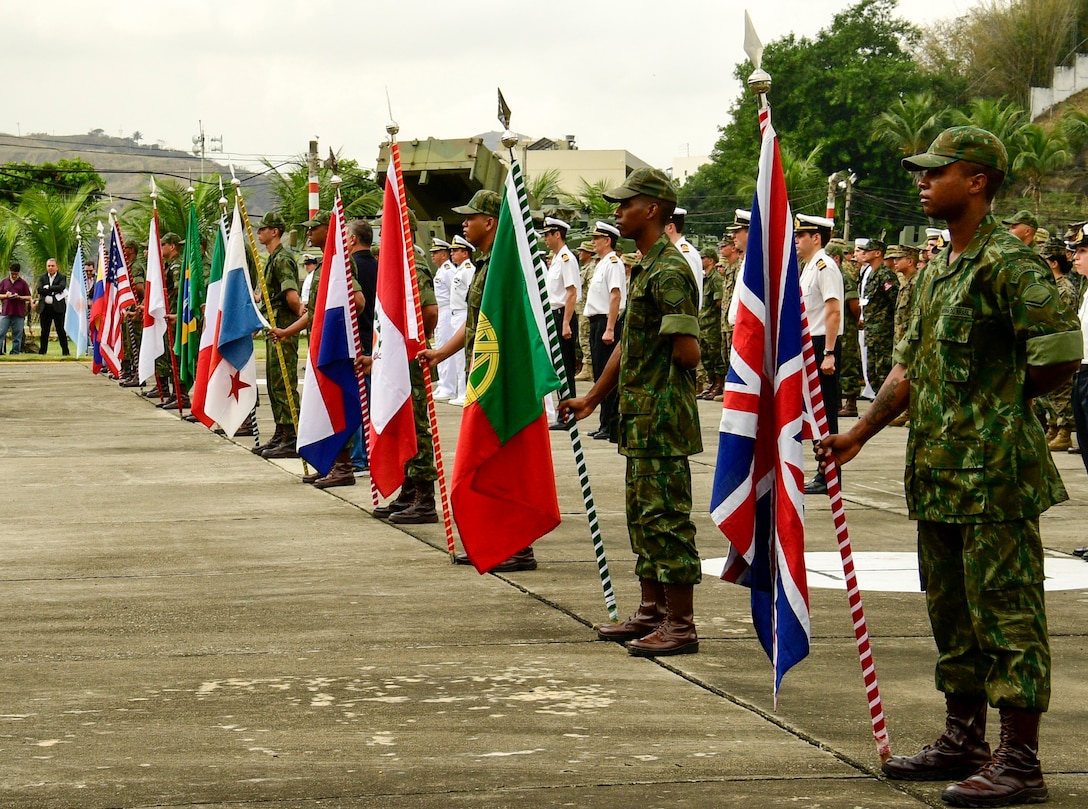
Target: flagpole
(364, 400)
(432, 417)
(509, 140)
(263, 280)
(759, 82)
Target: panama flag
(397, 340)
(75, 319)
(232, 368)
(504, 495)
(758, 494)
(118, 298)
(331, 409)
(154, 324)
(211, 325)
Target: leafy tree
(805, 180)
(1041, 156)
(590, 200)
(1006, 119)
(173, 206)
(544, 187)
(361, 195)
(828, 91)
(48, 223)
(911, 123)
(62, 177)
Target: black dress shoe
(816, 486)
(558, 426)
(1082, 551)
(601, 435)
(522, 560)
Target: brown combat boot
(1051, 433)
(403, 500)
(676, 635)
(286, 447)
(719, 388)
(341, 474)
(421, 510)
(277, 436)
(849, 408)
(650, 615)
(960, 751)
(1061, 441)
(1014, 775)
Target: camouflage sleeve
(425, 279)
(315, 284)
(1040, 318)
(286, 272)
(676, 296)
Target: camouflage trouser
(984, 592)
(880, 357)
(164, 368)
(727, 348)
(1058, 406)
(420, 467)
(584, 353)
(132, 330)
(711, 349)
(659, 520)
(278, 386)
(850, 374)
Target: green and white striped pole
(557, 361)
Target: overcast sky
(650, 77)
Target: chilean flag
(232, 368)
(199, 393)
(758, 494)
(397, 340)
(154, 324)
(331, 409)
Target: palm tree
(361, 195)
(1040, 156)
(803, 175)
(1074, 125)
(173, 206)
(9, 238)
(910, 124)
(590, 200)
(1006, 119)
(48, 222)
(544, 187)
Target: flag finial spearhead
(752, 46)
(234, 181)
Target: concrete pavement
(186, 624)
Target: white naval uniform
(443, 330)
(462, 278)
(695, 261)
(563, 272)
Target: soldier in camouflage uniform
(658, 422)
(587, 264)
(850, 375)
(987, 333)
(878, 289)
(1058, 405)
(481, 220)
(170, 244)
(132, 324)
(737, 233)
(281, 310)
(906, 265)
(710, 326)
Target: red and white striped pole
(314, 191)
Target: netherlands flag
(331, 409)
(758, 494)
(232, 368)
(397, 340)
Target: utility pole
(315, 191)
(845, 180)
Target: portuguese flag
(503, 480)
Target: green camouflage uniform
(710, 324)
(978, 473)
(171, 274)
(281, 274)
(583, 322)
(420, 467)
(729, 283)
(850, 381)
(1057, 405)
(903, 302)
(881, 290)
(658, 421)
(475, 298)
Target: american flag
(758, 494)
(119, 297)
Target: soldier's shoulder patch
(888, 285)
(1037, 294)
(673, 297)
(820, 264)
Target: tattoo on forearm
(884, 407)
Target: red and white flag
(119, 297)
(154, 325)
(397, 340)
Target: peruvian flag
(118, 297)
(504, 495)
(211, 325)
(154, 325)
(331, 409)
(232, 367)
(397, 340)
